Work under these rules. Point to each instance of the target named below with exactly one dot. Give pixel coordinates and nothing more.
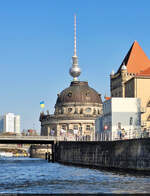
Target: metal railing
(29, 137)
(55, 138)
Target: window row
(76, 127)
(78, 111)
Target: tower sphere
(75, 71)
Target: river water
(26, 175)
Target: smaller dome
(112, 73)
(123, 67)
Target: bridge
(32, 140)
(28, 139)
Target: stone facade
(117, 84)
(139, 87)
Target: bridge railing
(55, 138)
(29, 137)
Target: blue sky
(36, 46)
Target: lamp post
(130, 123)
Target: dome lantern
(123, 67)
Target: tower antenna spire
(75, 44)
(75, 70)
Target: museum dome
(78, 92)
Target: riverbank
(124, 155)
(14, 150)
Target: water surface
(25, 175)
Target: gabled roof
(135, 60)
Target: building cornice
(44, 118)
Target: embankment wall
(124, 155)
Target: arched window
(88, 110)
(64, 127)
(148, 119)
(148, 105)
(69, 110)
(69, 94)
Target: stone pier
(39, 151)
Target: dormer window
(69, 110)
(69, 94)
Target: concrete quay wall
(119, 155)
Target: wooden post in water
(46, 156)
(54, 145)
(53, 151)
(49, 158)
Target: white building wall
(10, 123)
(1, 124)
(98, 128)
(126, 117)
(121, 119)
(17, 124)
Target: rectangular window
(75, 127)
(64, 127)
(88, 127)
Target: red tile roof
(107, 98)
(146, 72)
(135, 60)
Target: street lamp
(130, 123)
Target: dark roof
(79, 92)
(126, 58)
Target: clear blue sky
(36, 46)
